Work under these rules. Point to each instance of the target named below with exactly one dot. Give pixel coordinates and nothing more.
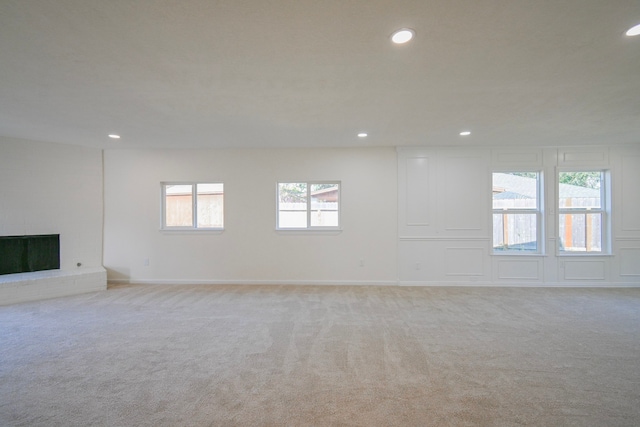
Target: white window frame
(194, 206)
(604, 210)
(309, 227)
(538, 211)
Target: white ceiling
(314, 73)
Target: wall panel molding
(630, 262)
(582, 157)
(464, 261)
(456, 246)
(584, 270)
(523, 158)
(520, 269)
(465, 184)
(417, 203)
(630, 193)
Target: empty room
(319, 213)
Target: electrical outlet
(146, 262)
(418, 266)
(361, 263)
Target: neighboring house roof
(508, 186)
(325, 190)
(510, 195)
(569, 190)
(329, 194)
(514, 185)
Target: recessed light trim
(362, 135)
(403, 35)
(465, 133)
(114, 136)
(633, 31)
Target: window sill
(308, 231)
(530, 254)
(585, 254)
(192, 231)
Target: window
(191, 206)
(516, 212)
(581, 211)
(308, 205)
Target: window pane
(515, 190)
(292, 205)
(324, 205)
(581, 232)
(210, 205)
(579, 190)
(515, 232)
(179, 205)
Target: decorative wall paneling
(583, 157)
(417, 192)
(444, 261)
(518, 269)
(629, 265)
(584, 270)
(445, 218)
(629, 193)
(626, 218)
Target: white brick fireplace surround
(23, 287)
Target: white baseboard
(258, 282)
(407, 283)
(502, 284)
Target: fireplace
(21, 254)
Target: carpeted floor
(323, 356)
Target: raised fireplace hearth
(24, 254)
(30, 271)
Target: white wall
(250, 250)
(445, 228)
(420, 216)
(50, 188)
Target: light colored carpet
(155, 355)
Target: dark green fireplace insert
(21, 254)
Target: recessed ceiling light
(362, 135)
(633, 31)
(114, 136)
(465, 133)
(402, 35)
